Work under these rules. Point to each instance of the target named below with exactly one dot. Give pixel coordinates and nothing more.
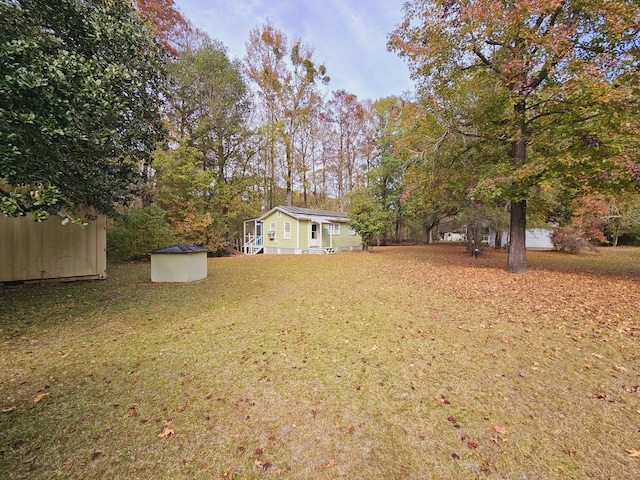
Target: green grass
(416, 362)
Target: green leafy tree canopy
(368, 217)
(538, 79)
(80, 90)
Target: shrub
(131, 236)
(570, 240)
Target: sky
(348, 36)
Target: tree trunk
(517, 260)
(517, 254)
(304, 189)
(427, 231)
(289, 179)
(497, 240)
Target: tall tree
(287, 77)
(352, 134)
(169, 24)
(208, 105)
(367, 215)
(80, 87)
(385, 174)
(207, 110)
(553, 65)
(181, 186)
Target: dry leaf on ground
(9, 409)
(41, 397)
(167, 433)
(634, 453)
(499, 429)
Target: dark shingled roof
(312, 212)
(180, 248)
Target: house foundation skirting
(296, 251)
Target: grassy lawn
(405, 363)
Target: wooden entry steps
(319, 250)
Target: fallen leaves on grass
(453, 421)
(40, 397)
(635, 389)
(263, 465)
(9, 409)
(167, 433)
(499, 429)
(634, 453)
(549, 294)
(227, 473)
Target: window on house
(335, 229)
(287, 230)
(272, 230)
(351, 231)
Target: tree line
(524, 113)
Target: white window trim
(287, 234)
(351, 231)
(335, 229)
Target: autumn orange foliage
(168, 22)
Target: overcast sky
(348, 36)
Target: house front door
(259, 234)
(314, 241)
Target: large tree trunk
(517, 256)
(517, 260)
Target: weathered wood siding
(38, 251)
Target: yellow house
(299, 230)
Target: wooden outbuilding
(32, 251)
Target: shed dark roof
(180, 248)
